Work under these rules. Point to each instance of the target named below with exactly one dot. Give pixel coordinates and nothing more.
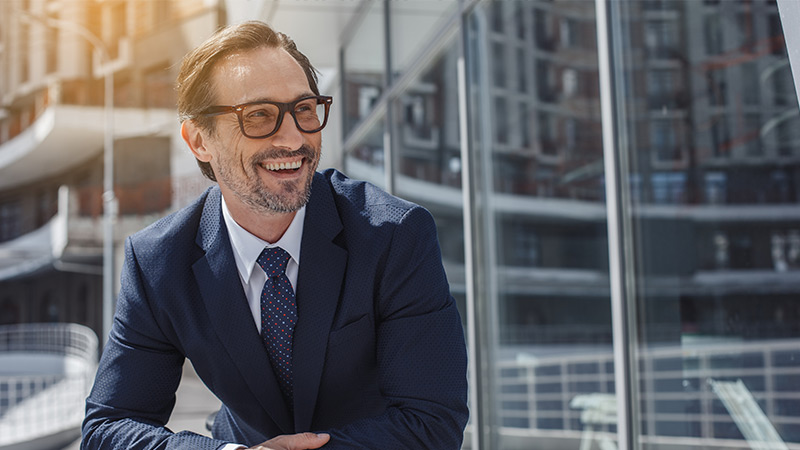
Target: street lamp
(109, 198)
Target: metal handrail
(536, 392)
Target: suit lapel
(230, 315)
(322, 267)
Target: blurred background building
(616, 193)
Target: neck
(269, 227)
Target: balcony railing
(678, 401)
(45, 376)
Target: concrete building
(52, 141)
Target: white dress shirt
(246, 250)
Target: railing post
(532, 408)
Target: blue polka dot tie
(278, 316)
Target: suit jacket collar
(319, 280)
(230, 315)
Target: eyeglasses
(260, 120)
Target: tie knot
(273, 261)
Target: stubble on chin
(251, 190)
(289, 197)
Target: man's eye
(258, 114)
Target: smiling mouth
(283, 167)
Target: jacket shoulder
(363, 200)
(175, 229)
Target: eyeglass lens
(262, 119)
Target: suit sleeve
(421, 353)
(134, 390)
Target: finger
(300, 441)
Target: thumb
(312, 440)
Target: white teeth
(283, 166)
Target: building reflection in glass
(713, 182)
(712, 119)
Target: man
(351, 340)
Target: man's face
(249, 168)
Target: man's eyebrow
(266, 99)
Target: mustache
(304, 151)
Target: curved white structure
(66, 135)
(46, 371)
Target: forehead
(260, 74)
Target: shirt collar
(247, 247)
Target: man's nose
(288, 135)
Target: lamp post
(109, 198)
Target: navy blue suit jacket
(379, 354)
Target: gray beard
(267, 202)
(289, 198)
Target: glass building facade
(616, 190)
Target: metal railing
(677, 399)
(44, 381)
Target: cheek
(233, 149)
(232, 155)
(315, 142)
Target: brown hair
(194, 86)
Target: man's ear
(193, 136)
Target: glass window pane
(426, 128)
(364, 61)
(414, 26)
(426, 142)
(713, 125)
(364, 159)
(535, 130)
